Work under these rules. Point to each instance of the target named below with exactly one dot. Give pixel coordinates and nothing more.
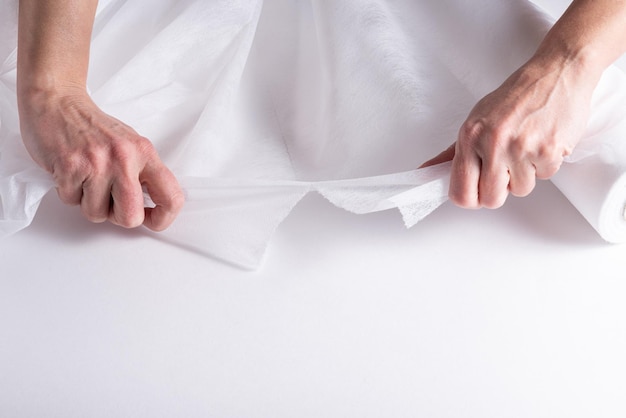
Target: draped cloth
(253, 104)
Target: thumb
(444, 156)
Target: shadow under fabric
(254, 104)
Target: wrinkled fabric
(253, 104)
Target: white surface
(516, 313)
(511, 313)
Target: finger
(522, 179)
(444, 156)
(546, 170)
(166, 194)
(69, 188)
(127, 207)
(493, 185)
(70, 195)
(464, 178)
(95, 203)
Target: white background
(517, 312)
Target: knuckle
(145, 146)
(492, 194)
(68, 196)
(177, 201)
(160, 224)
(98, 160)
(128, 210)
(493, 201)
(551, 152)
(549, 160)
(131, 152)
(471, 133)
(134, 222)
(94, 216)
(493, 142)
(128, 218)
(518, 148)
(522, 190)
(567, 151)
(463, 200)
(69, 167)
(122, 152)
(546, 151)
(548, 171)
(499, 139)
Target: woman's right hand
(97, 161)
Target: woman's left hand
(518, 133)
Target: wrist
(35, 83)
(36, 89)
(584, 40)
(574, 65)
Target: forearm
(591, 35)
(53, 44)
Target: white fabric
(254, 104)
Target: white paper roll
(596, 186)
(594, 178)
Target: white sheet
(254, 104)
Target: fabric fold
(253, 104)
(206, 224)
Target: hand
(97, 161)
(518, 133)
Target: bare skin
(522, 131)
(96, 161)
